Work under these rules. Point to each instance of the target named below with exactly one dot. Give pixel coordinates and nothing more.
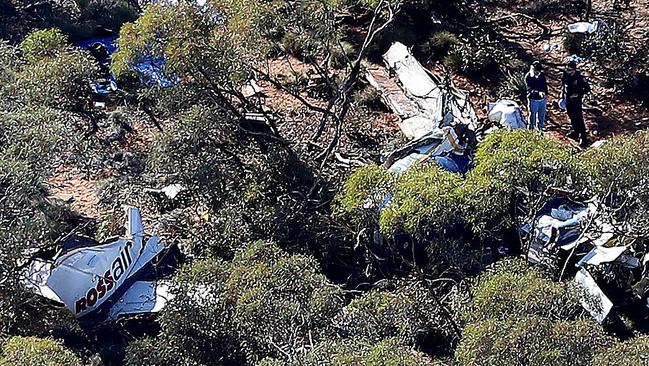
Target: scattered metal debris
(424, 102)
(171, 191)
(445, 146)
(506, 113)
(593, 299)
(100, 281)
(585, 27)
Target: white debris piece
(594, 300)
(134, 226)
(551, 47)
(251, 89)
(84, 278)
(35, 279)
(601, 254)
(506, 113)
(141, 297)
(424, 102)
(447, 143)
(584, 27)
(171, 191)
(574, 58)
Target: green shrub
(407, 313)
(265, 300)
(529, 340)
(616, 174)
(196, 325)
(478, 57)
(438, 44)
(514, 86)
(633, 352)
(454, 60)
(367, 96)
(510, 286)
(357, 352)
(362, 193)
(279, 300)
(424, 201)
(42, 44)
(511, 167)
(32, 351)
(619, 166)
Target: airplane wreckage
(443, 128)
(121, 277)
(105, 281)
(435, 115)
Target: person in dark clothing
(537, 90)
(573, 87)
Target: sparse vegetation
(295, 247)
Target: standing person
(537, 90)
(573, 87)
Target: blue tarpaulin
(148, 68)
(101, 49)
(455, 163)
(108, 42)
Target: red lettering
(101, 288)
(110, 282)
(91, 297)
(80, 305)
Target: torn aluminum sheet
(171, 191)
(442, 146)
(251, 89)
(593, 299)
(35, 279)
(557, 224)
(141, 297)
(601, 255)
(423, 101)
(506, 113)
(574, 58)
(86, 278)
(585, 27)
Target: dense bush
(424, 201)
(407, 313)
(356, 352)
(512, 168)
(632, 352)
(478, 57)
(50, 63)
(263, 304)
(530, 340)
(519, 316)
(280, 302)
(514, 86)
(439, 44)
(31, 351)
(241, 190)
(510, 286)
(448, 213)
(619, 166)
